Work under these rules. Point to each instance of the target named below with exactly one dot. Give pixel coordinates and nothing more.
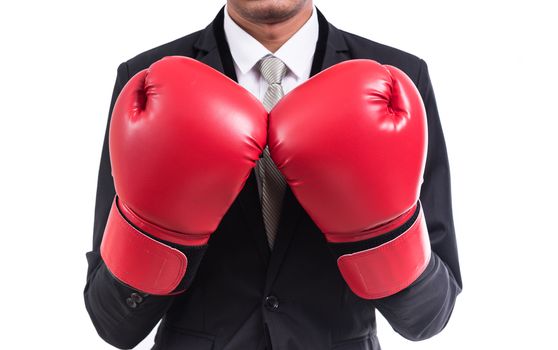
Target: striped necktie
(273, 184)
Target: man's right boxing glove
(183, 140)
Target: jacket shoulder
(360, 47)
(184, 46)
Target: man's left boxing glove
(183, 140)
(351, 143)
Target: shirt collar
(296, 53)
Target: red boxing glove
(183, 140)
(351, 143)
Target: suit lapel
(336, 49)
(207, 49)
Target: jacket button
(271, 303)
(136, 297)
(131, 303)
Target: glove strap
(391, 267)
(137, 259)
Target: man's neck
(273, 35)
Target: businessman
(249, 252)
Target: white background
(493, 66)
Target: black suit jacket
(245, 296)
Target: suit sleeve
(424, 308)
(121, 315)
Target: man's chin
(268, 11)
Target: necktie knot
(272, 69)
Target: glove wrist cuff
(158, 232)
(393, 227)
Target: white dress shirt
(297, 54)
